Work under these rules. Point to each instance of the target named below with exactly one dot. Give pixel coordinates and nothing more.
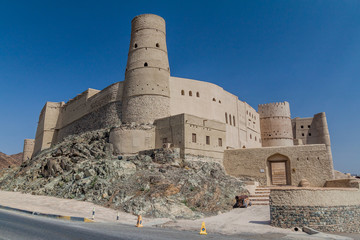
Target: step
(257, 192)
(258, 204)
(260, 200)
(258, 195)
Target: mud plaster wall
(106, 116)
(307, 161)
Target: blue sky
(304, 52)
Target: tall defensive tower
(275, 124)
(146, 89)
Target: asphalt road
(19, 226)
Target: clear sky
(303, 52)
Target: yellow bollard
(139, 222)
(203, 229)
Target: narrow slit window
(226, 119)
(230, 119)
(194, 138)
(190, 93)
(182, 92)
(207, 140)
(220, 142)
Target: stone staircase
(261, 196)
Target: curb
(69, 218)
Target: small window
(220, 142)
(230, 119)
(190, 93)
(194, 138)
(197, 94)
(309, 134)
(255, 138)
(303, 134)
(145, 64)
(164, 140)
(135, 45)
(157, 45)
(250, 136)
(226, 119)
(207, 140)
(219, 101)
(302, 126)
(214, 99)
(309, 126)
(234, 120)
(182, 92)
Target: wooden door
(278, 173)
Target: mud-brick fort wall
(210, 101)
(312, 130)
(90, 110)
(306, 161)
(324, 209)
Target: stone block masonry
(328, 219)
(323, 209)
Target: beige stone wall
(308, 161)
(312, 130)
(46, 130)
(56, 117)
(275, 123)
(28, 149)
(315, 197)
(131, 141)
(343, 183)
(178, 131)
(209, 101)
(89, 101)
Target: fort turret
(146, 88)
(275, 124)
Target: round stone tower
(275, 124)
(28, 149)
(146, 95)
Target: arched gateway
(278, 166)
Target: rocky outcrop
(154, 183)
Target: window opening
(207, 140)
(220, 142)
(194, 138)
(190, 93)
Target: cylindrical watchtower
(275, 124)
(146, 89)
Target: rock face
(154, 183)
(7, 161)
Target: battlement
(277, 109)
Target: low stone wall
(323, 209)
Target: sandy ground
(253, 220)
